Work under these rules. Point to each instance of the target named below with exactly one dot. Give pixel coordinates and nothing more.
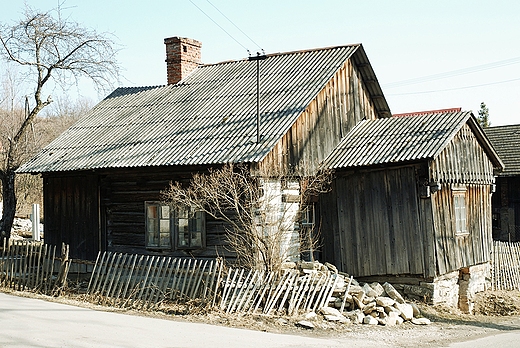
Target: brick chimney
(182, 57)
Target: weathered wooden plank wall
(453, 250)
(71, 213)
(342, 103)
(463, 161)
(378, 226)
(463, 165)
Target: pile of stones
(363, 303)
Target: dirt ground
(495, 312)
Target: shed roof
(207, 118)
(506, 141)
(404, 139)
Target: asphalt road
(28, 322)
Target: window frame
(174, 227)
(460, 211)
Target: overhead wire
(452, 73)
(236, 26)
(455, 89)
(224, 30)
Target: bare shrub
(261, 212)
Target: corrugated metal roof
(396, 139)
(506, 141)
(208, 117)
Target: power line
(224, 30)
(236, 26)
(453, 73)
(454, 89)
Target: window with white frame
(459, 204)
(183, 227)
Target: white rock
(392, 318)
(400, 320)
(356, 316)
(369, 307)
(370, 320)
(421, 321)
(310, 315)
(406, 310)
(329, 311)
(305, 324)
(282, 321)
(338, 318)
(393, 293)
(379, 290)
(385, 301)
(369, 291)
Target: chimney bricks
(183, 55)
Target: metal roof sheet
(506, 141)
(396, 139)
(208, 117)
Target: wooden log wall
(123, 197)
(373, 224)
(343, 103)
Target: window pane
(165, 239)
(184, 239)
(151, 225)
(152, 240)
(151, 211)
(196, 239)
(165, 226)
(165, 212)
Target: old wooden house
(412, 202)
(103, 176)
(506, 199)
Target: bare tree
(261, 212)
(50, 51)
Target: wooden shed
(412, 201)
(506, 200)
(103, 176)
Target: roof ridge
(282, 54)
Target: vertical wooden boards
(71, 213)
(378, 223)
(342, 103)
(454, 250)
(29, 265)
(505, 265)
(146, 281)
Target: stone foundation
(454, 289)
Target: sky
(427, 55)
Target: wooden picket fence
(269, 292)
(34, 266)
(505, 272)
(141, 281)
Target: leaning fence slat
(239, 292)
(93, 276)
